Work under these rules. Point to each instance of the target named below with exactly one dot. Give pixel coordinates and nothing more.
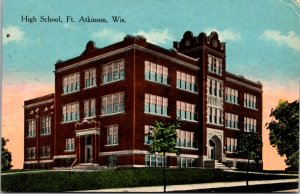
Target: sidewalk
(187, 187)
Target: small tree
(284, 131)
(5, 156)
(249, 146)
(164, 140)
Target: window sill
(106, 83)
(30, 137)
(251, 108)
(235, 129)
(186, 148)
(111, 145)
(189, 91)
(44, 157)
(186, 120)
(73, 92)
(92, 117)
(113, 114)
(46, 134)
(153, 114)
(90, 87)
(232, 103)
(219, 125)
(69, 151)
(67, 122)
(157, 83)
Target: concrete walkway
(187, 187)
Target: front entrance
(215, 146)
(212, 149)
(88, 149)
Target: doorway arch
(215, 146)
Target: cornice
(38, 103)
(134, 46)
(243, 84)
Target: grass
(250, 189)
(57, 181)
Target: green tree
(284, 131)
(249, 146)
(5, 155)
(163, 138)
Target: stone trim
(64, 156)
(118, 51)
(38, 103)
(243, 84)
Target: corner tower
(210, 53)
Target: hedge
(57, 181)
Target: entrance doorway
(88, 149)
(215, 145)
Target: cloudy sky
(262, 41)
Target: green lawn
(56, 181)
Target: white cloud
(12, 34)
(226, 34)
(156, 36)
(291, 39)
(109, 34)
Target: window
(250, 125)
(183, 162)
(45, 152)
(71, 83)
(90, 78)
(156, 104)
(185, 139)
(45, 125)
(214, 65)
(113, 72)
(249, 101)
(147, 129)
(112, 104)
(70, 144)
(231, 95)
(31, 127)
(231, 121)
(30, 153)
(231, 144)
(70, 112)
(214, 88)
(112, 161)
(154, 160)
(186, 111)
(156, 73)
(112, 135)
(214, 115)
(89, 108)
(186, 81)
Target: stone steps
(87, 166)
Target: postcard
(150, 96)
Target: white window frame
(157, 105)
(90, 78)
(113, 132)
(31, 128)
(45, 125)
(114, 71)
(70, 144)
(89, 108)
(70, 112)
(110, 103)
(71, 83)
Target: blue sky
(262, 36)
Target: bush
(55, 181)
